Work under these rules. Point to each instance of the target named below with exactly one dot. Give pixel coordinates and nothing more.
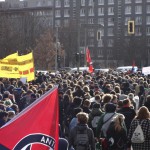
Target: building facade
(80, 20)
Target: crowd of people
(98, 111)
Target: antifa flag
(35, 128)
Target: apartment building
(110, 17)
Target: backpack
(82, 140)
(95, 120)
(138, 136)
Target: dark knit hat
(110, 107)
(96, 105)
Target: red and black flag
(88, 57)
(35, 128)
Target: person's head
(126, 103)
(107, 98)
(96, 106)
(86, 103)
(114, 99)
(110, 108)
(15, 108)
(143, 113)
(4, 115)
(77, 101)
(131, 96)
(82, 117)
(118, 120)
(117, 89)
(148, 98)
(86, 89)
(77, 110)
(11, 114)
(98, 98)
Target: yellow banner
(14, 66)
(26, 66)
(9, 71)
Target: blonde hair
(118, 120)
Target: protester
(142, 118)
(81, 137)
(116, 134)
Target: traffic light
(58, 58)
(131, 27)
(98, 35)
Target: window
(91, 32)
(100, 43)
(50, 3)
(100, 52)
(100, 11)
(57, 13)
(110, 42)
(66, 3)
(57, 23)
(82, 12)
(109, 52)
(138, 9)
(148, 31)
(100, 2)
(127, 19)
(148, 8)
(91, 21)
(110, 21)
(127, 1)
(110, 1)
(91, 42)
(138, 20)
(138, 31)
(148, 20)
(91, 3)
(110, 10)
(91, 12)
(148, 41)
(128, 10)
(126, 32)
(58, 3)
(66, 13)
(101, 21)
(110, 32)
(82, 20)
(66, 22)
(138, 1)
(82, 2)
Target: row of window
(110, 43)
(128, 10)
(111, 21)
(91, 2)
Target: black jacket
(129, 114)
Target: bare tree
(45, 51)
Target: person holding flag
(89, 60)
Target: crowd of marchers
(98, 111)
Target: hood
(81, 126)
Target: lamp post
(56, 55)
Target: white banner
(146, 70)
